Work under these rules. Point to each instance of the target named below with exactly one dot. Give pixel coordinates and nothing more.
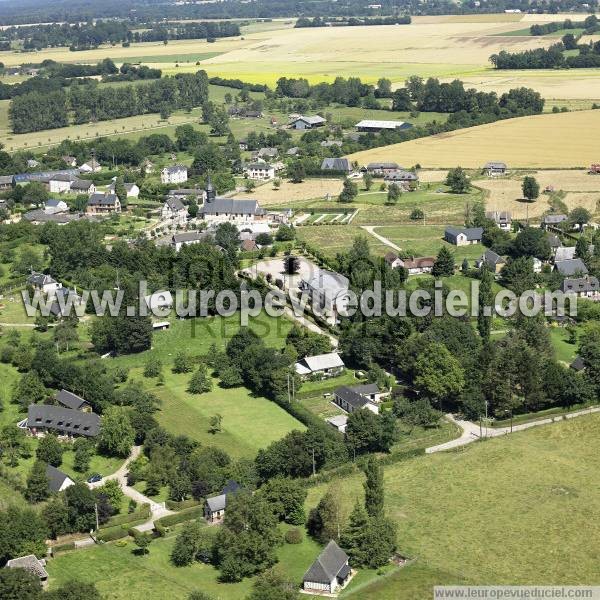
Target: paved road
(371, 229)
(158, 510)
(471, 431)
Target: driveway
(371, 229)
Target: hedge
(143, 513)
(175, 505)
(187, 514)
(62, 547)
(111, 534)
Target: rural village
(312, 154)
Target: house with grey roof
(174, 210)
(72, 401)
(42, 418)
(41, 282)
(307, 122)
(502, 218)
(327, 365)
(236, 211)
(32, 564)
(584, 287)
(57, 480)
(339, 422)
(54, 206)
(349, 400)
(6, 182)
(407, 179)
(102, 204)
(463, 236)
(339, 165)
(214, 507)
(553, 220)
(564, 253)
(380, 169)
(493, 261)
(260, 171)
(91, 166)
(578, 364)
(131, 189)
(328, 293)
(329, 573)
(83, 186)
(495, 168)
(266, 153)
(174, 174)
(568, 268)
(187, 238)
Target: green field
(331, 239)
(523, 500)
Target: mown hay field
(541, 141)
(289, 192)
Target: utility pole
(96, 511)
(313, 462)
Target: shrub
(187, 514)
(293, 536)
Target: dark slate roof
(578, 364)
(472, 233)
(554, 219)
(580, 284)
(70, 400)
(174, 204)
(493, 164)
(492, 258)
(189, 236)
(65, 419)
(401, 175)
(55, 478)
(335, 164)
(383, 165)
(81, 184)
(353, 398)
(571, 267)
(554, 240)
(61, 177)
(102, 199)
(231, 487)
(231, 206)
(175, 168)
(366, 389)
(40, 279)
(217, 502)
(329, 564)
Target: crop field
(543, 141)
(442, 504)
(289, 193)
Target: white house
(187, 238)
(259, 171)
(60, 183)
(43, 283)
(53, 206)
(329, 365)
(174, 174)
(92, 166)
(307, 122)
(329, 572)
(131, 189)
(57, 480)
(174, 210)
(502, 218)
(463, 236)
(328, 292)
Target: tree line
(589, 24)
(550, 58)
(352, 21)
(35, 111)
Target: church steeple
(211, 193)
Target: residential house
(219, 210)
(328, 292)
(43, 283)
(42, 418)
(564, 253)
(92, 166)
(248, 245)
(308, 122)
(54, 206)
(553, 220)
(64, 302)
(414, 266)
(493, 261)
(329, 572)
(32, 564)
(537, 265)
(83, 186)
(407, 179)
(174, 174)
(568, 268)
(329, 365)
(214, 507)
(101, 204)
(60, 183)
(370, 391)
(554, 242)
(463, 236)
(267, 153)
(294, 151)
(502, 218)
(380, 169)
(174, 210)
(495, 169)
(196, 194)
(584, 287)
(350, 400)
(243, 145)
(260, 171)
(373, 125)
(339, 422)
(57, 480)
(131, 189)
(72, 401)
(393, 260)
(340, 165)
(6, 182)
(187, 238)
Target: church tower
(211, 193)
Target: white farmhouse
(174, 174)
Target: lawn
(331, 239)
(121, 575)
(565, 352)
(523, 500)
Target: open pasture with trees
(541, 141)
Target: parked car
(95, 478)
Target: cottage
(584, 287)
(92, 166)
(267, 153)
(349, 399)
(259, 171)
(131, 189)
(214, 507)
(329, 365)
(414, 266)
(54, 206)
(100, 204)
(553, 220)
(407, 179)
(72, 401)
(63, 421)
(187, 238)
(6, 182)
(495, 169)
(303, 122)
(60, 183)
(174, 210)
(564, 253)
(380, 169)
(340, 165)
(32, 564)
(83, 186)
(370, 391)
(574, 266)
(248, 245)
(372, 125)
(43, 283)
(174, 174)
(328, 292)
(329, 572)
(393, 260)
(493, 261)
(463, 236)
(502, 218)
(57, 480)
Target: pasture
(542, 141)
(505, 498)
